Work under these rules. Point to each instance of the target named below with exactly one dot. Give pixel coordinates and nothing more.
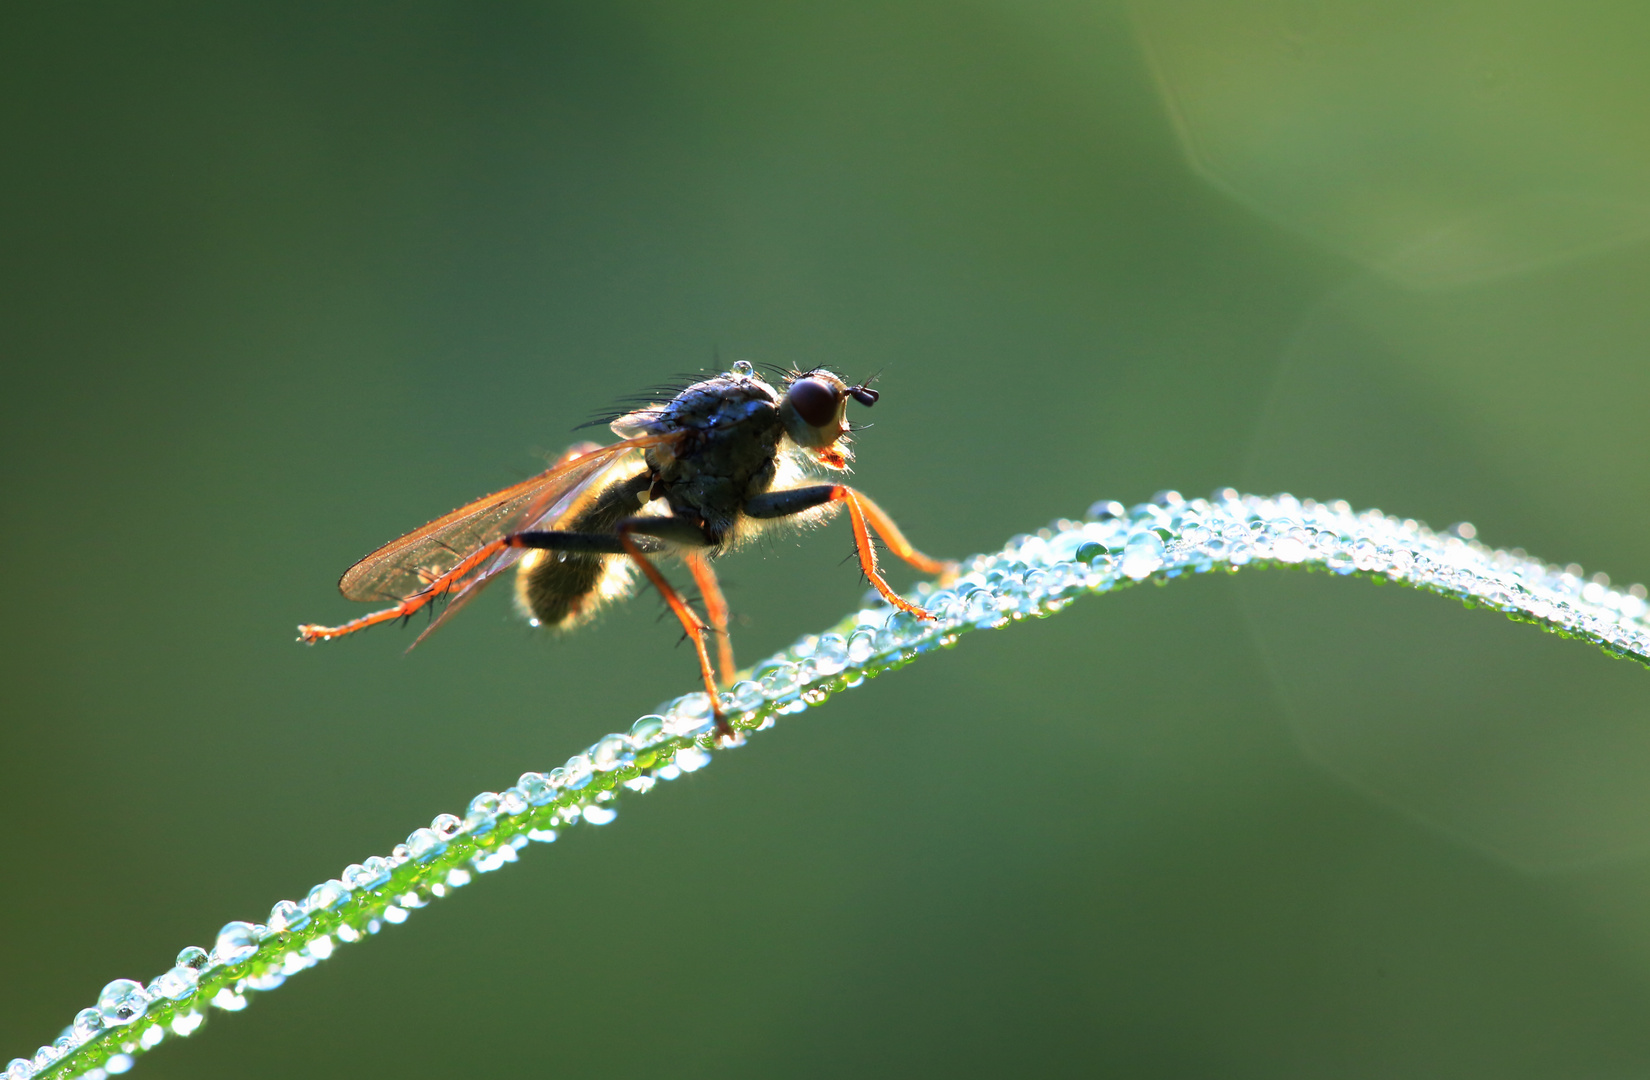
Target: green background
(283, 281)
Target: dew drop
(601, 815)
(236, 941)
(446, 826)
(1142, 555)
(287, 916)
(645, 731)
(609, 753)
(122, 1001)
(325, 896)
(176, 984)
(691, 759)
(512, 801)
(185, 1025)
(482, 814)
(88, 1023)
(228, 1000)
(831, 654)
(424, 845)
(536, 787)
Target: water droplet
(88, 1023)
(287, 916)
(512, 801)
(394, 914)
(424, 845)
(236, 941)
(577, 773)
(601, 815)
(265, 980)
(118, 1064)
(536, 787)
(186, 1024)
(691, 759)
(688, 715)
(746, 696)
(152, 1036)
(19, 1069)
(481, 815)
(320, 948)
(122, 1001)
(446, 826)
(229, 1001)
(609, 753)
(646, 731)
(1142, 555)
(325, 896)
(779, 681)
(743, 368)
(175, 984)
(192, 956)
(831, 654)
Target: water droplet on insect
(744, 368)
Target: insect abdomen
(560, 589)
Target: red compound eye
(814, 401)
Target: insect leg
(865, 515)
(682, 532)
(437, 587)
(716, 610)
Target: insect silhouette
(693, 477)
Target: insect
(693, 477)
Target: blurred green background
(283, 281)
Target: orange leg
(439, 586)
(866, 515)
(690, 622)
(896, 541)
(716, 610)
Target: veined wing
(405, 567)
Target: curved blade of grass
(1032, 576)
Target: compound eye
(814, 401)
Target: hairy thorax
(730, 453)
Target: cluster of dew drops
(1033, 575)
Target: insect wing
(407, 566)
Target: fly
(692, 478)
